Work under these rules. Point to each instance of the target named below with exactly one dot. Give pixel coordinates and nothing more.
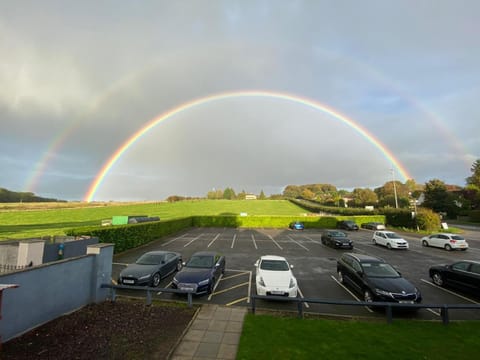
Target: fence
(113, 289)
(10, 268)
(444, 308)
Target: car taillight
(453, 241)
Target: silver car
(446, 241)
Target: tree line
(7, 196)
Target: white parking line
(249, 287)
(254, 243)
(433, 312)
(309, 238)
(233, 276)
(303, 297)
(191, 241)
(271, 238)
(450, 292)
(169, 242)
(166, 287)
(230, 288)
(296, 242)
(237, 301)
(233, 241)
(354, 296)
(215, 238)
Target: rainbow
(238, 94)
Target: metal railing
(148, 290)
(444, 308)
(11, 268)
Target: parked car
(336, 239)
(375, 280)
(274, 277)
(447, 241)
(200, 273)
(347, 225)
(373, 226)
(150, 268)
(296, 225)
(464, 274)
(389, 239)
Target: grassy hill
(20, 221)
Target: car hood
(394, 285)
(192, 275)
(342, 240)
(276, 278)
(136, 270)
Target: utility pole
(394, 188)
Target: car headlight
(175, 281)
(383, 292)
(261, 282)
(204, 282)
(144, 277)
(292, 283)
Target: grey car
(150, 268)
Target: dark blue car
(200, 273)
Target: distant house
(250, 197)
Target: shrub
(427, 219)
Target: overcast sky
(92, 73)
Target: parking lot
(314, 267)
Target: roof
(272, 257)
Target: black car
(464, 275)
(336, 239)
(347, 225)
(375, 280)
(200, 273)
(150, 268)
(373, 225)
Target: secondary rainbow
(404, 175)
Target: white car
(274, 277)
(389, 239)
(445, 241)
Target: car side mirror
(256, 264)
(291, 266)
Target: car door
(461, 274)
(475, 277)
(381, 239)
(170, 263)
(435, 240)
(219, 264)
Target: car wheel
(425, 243)
(179, 265)
(389, 247)
(437, 279)
(367, 296)
(340, 277)
(155, 280)
(448, 247)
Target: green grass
(269, 337)
(21, 224)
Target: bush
(427, 219)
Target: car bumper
(277, 291)
(400, 246)
(133, 281)
(343, 246)
(191, 287)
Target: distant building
(250, 197)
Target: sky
(80, 78)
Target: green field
(269, 337)
(25, 223)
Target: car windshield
(150, 259)
(382, 270)
(337, 234)
(200, 261)
(392, 235)
(274, 265)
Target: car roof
(160, 252)
(205, 253)
(272, 257)
(365, 258)
(385, 231)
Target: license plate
(184, 288)
(129, 281)
(276, 292)
(405, 302)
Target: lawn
(52, 220)
(269, 337)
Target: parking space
(314, 267)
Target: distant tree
(363, 197)
(474, 179)
(439, 199)
(307, 194)
(241, 195)
(262, 196)
(292, 191)
(229, 194)
(276, 197)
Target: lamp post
(394, 188)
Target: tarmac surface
(213, 334)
